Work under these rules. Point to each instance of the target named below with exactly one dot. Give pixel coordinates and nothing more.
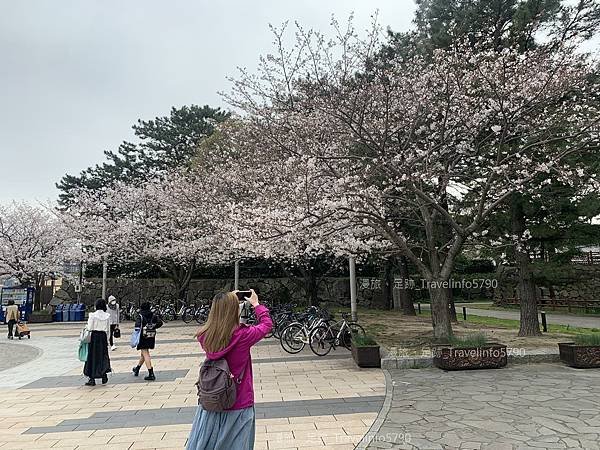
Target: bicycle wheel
(321, 340)
(201, 315)
(270, 333)
(293, 338)
(188, 315)
(353, 329)
(168, 314)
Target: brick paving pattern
(302, 401)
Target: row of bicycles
(295, 329)
(314, 327)
(171, 312)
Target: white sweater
(99, 321)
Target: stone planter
(366, 356)
(579, 356)
(489, 356)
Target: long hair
(223, 319)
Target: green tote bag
(83, 351)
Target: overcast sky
(75, 75)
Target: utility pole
(104, 274)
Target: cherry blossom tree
(159, 221)
(33, 244)
(334, 143)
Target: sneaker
(114, 347)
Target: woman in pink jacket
(224, 337)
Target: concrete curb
(423, 362)
(385, 409)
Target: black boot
(91, 382)
(104, 379)
(136, 371)
(150, 376)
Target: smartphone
(243, 294)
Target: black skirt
(145, 318)
(98, 363)
(146, 343)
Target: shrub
(590, 339)
(363, 340)
(470, 340)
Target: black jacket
(145, 318)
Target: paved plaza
(537, 406)
(302, 401)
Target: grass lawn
(406, 335)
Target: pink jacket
(237, 354)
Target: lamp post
(353, 308)
(104, 274)
(236, 276)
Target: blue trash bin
(80, 312)
(65, 313)
(58, 313)
(73, 312)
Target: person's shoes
(114, 347)
(150, 376)
(91, 382)
(136, 371)
(104, 379)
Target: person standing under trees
(148, 323)
(224, 337)
(113, 311)
(12, 317)
(97, 364)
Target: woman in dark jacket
(147, 322)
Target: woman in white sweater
(97, 364)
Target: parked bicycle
(327, 336)
(296, 335)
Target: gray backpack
(217, 385)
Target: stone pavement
(538, 406)
(11, 354)
(302, 401)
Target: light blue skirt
(227, 430)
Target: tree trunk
(184, 283)
(440, 313)
(388, 283)
(311, 286)
(312, 291)
(452, 306)
(444, 233)
(181, 276)
(529, 325)
(404, 295)
(37, 298)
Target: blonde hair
(223, 319)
